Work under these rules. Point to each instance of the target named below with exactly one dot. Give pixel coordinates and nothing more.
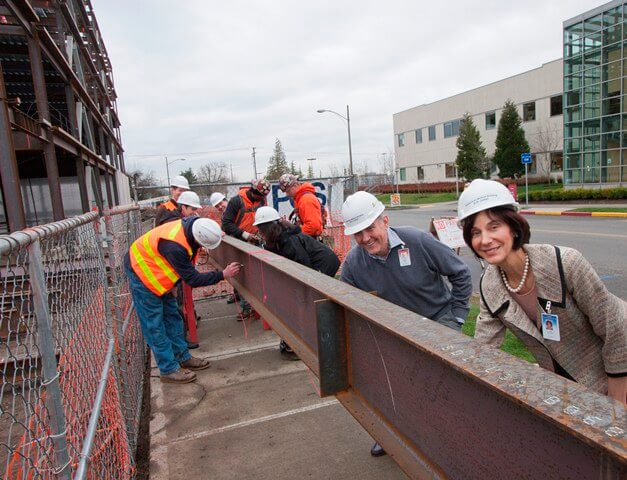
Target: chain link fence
(72, 358)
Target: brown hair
(271, 232)
(516, 222)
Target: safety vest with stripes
(151, 267)
(246, 216)
(169, 205)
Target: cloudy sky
(209, 80)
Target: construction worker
(188, 204)
(403, 265)
(287, 240)
(238, 219)
(307, 208)
(178, 185)
(218, 201)
(155, 263)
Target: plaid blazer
(592, 321)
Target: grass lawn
(419, 198)
(601, 209)
(540, 186)
(511, 344)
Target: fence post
(54, 402)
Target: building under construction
(60, 148)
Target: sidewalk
(563, 209)
(253, 415)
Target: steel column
(8, 166)
(82, 184)
(41, 97)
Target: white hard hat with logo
(207, 232)
(265, 215)
(359, 211)
(180, 181)
(190, 199)
(215, 198)
(482, 195)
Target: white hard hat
(215, 198)
(190, 199)
(207, 232)
(481, 195)
(265, 215)
(359, 211)
(180, 181)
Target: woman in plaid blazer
(587, 342)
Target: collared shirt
(393, 241)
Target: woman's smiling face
(492, 238)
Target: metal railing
(72, 358)
(441, 404)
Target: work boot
(181, 375)
(191, 345)
(287, 351)
(377, 450)
(195, 363)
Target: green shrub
(615, 193)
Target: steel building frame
(57, 99)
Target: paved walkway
(253, 415)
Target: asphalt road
(603, 241)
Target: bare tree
(334, 170)
(545, 140)
(213, 172)
(386, 162)
(146, 184)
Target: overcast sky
(209, 80)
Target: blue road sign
(525, 158)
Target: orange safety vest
(151, 267)
(169, 205)
(246, 217)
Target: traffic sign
(525, 158)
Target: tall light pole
(167, 165)
(350, 147)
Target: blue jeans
(161, 324)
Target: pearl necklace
(522, 280)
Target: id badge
(550, 327)
(403, 257)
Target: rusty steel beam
(440, 403)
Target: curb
(574, 214)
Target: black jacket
(308, 251)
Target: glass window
(592, 127)
(450, 170)
(610, 140)
(403, 172)
(611, 71)
(573, 98)
(572, 65)
(593, 41)
(573, 145)
(451, 129)
(611, 88)
(610, 174)
(529, 111)
(432, 132)
(592, 93)
(611, 106)
(419, 135)
(592, 59)
(573, 160)
(572, 82)
(401, 139)
(572, 130)
(420, 173)
(572, 49)
(612, 17)
(612, 53)
(592, 142)
(592, 75)
(613, 34)
(572, 176)
(573, 33)
(591, 110)
(556, 105)
(611, 124)
(490, 120)
(610, 158)
(591, 25)
(557, 161)
(573, 114)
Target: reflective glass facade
(595, 91)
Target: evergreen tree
(471, 156)
(189, 174)
(510, 142)
(310, 172)
(293, 170)
(277, 165)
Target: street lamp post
(167, 165)
(347, 118)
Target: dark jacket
(165, 215)
(232, 215)
(306, 250)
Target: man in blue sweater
(403, 265)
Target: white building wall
(537, 85)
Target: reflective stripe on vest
(151, 267)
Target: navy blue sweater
(177, 256)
